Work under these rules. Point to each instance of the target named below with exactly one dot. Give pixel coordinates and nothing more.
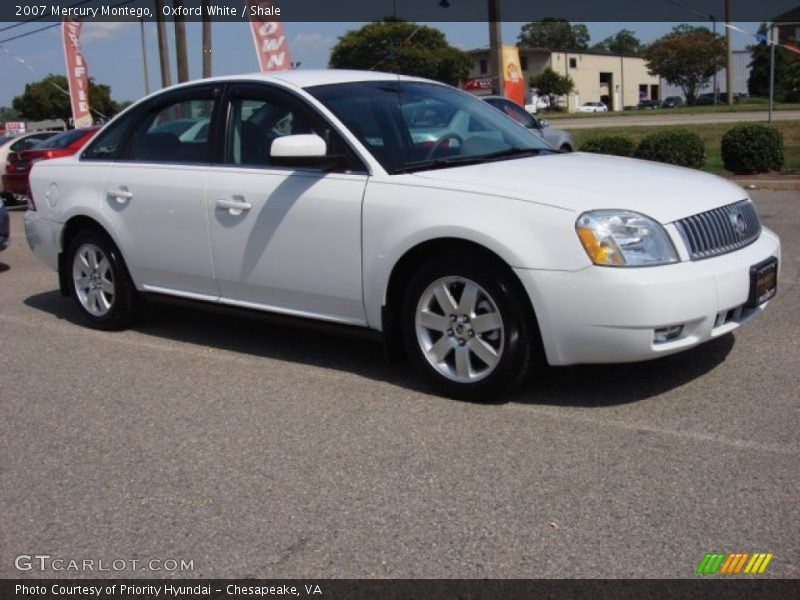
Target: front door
(283, 239)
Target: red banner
(76, 74)
(271, 47)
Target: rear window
(62, 140)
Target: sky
(114, 56)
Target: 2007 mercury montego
(480, 251)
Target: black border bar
(407, 589)
(419, 10)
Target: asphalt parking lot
(262, 450)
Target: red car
(18, 165)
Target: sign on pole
(77, 75)
(268, 37)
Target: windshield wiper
(460, 161)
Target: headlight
(619, 238)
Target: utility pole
(495, 47)
(729, 52)
(206, 41)
(144, 59)
(181, 57)
(716, 71)
(163, 47)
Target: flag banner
(512, 75)
(77, 75)
(268, 37)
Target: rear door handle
(235, 206)
(121, 194)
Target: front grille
(720, 230)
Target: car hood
(579, 181)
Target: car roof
(304, 78)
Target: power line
(45, 28)
(40, 17)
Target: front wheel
(467, 330)
(99, 281)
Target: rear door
(155, 191)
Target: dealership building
(617, 80)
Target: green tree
(401, 47)
(758, 81)
(549, 83)
(44, 100)
(554, 34)
(790, 82)
(622, 42)
(8, 114)
(688, 57)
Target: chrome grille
(720, 230)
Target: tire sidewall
(516, 343)
(122, 310)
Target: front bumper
(608, 315)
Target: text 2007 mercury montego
(407, 207)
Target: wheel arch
(416, 256)
(72, 227)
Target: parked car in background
(672, 102)
(557, 138)
(18, 164)
(5, 228)
(481, 255)
(649, 104)
(18, 143)
(592, 107)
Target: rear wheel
(466, 328)
(99, 282)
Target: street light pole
(729, 53)
(772, 42)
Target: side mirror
(304, 150)
(544, 123)
(300, 148)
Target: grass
(711, 134)
(747, 105)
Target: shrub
(675, 147)
(609, 144)
(752, 148)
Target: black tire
(566, 148)
(521, 347)
(124, 306)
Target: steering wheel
(438, 144)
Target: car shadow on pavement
(4, 267)
(614, 384)
(304, 343)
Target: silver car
(557, 138)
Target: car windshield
(62, 140)
(412, 126)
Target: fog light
(667, 334)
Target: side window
(109, 142)
(255, 123)
(175, 133)
(518, 114)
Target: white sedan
(592, 107)
(482, 254)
